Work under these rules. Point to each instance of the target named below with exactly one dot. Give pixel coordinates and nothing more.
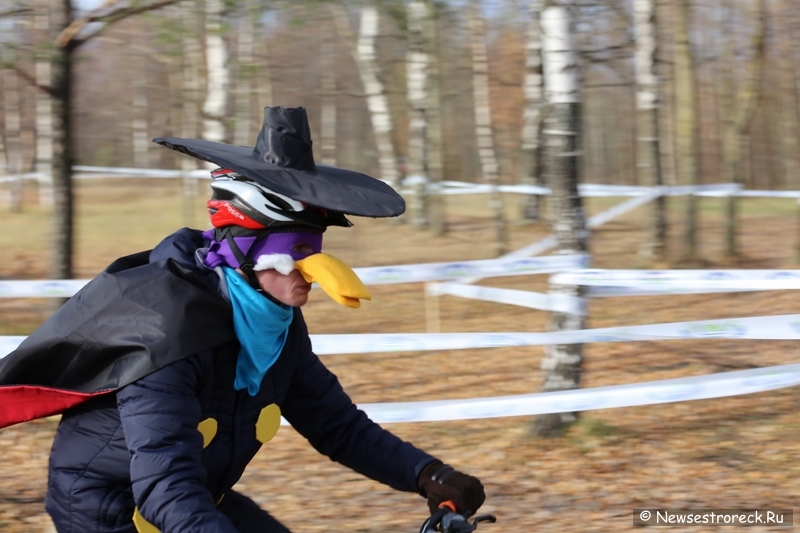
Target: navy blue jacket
(172, 443)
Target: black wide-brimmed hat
(282, 161)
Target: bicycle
(447, 520)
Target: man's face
(291, 290)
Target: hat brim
(338, 189)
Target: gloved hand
(439, 482)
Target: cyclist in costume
(174, 366)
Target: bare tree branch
(25, 75)
(102, 14)
(15, 11)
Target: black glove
(440, 482)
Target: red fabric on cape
(21, 403)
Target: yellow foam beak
(335, 278)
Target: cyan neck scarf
(261, 327)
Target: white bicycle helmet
(237, 201)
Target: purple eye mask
(220, 253)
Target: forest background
(448, 91)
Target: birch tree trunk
(216, 74)
(790, 126)
(532, 115)
(13, 148)
(192, 88)
(243, 88)
(686, 124)
(263, 77)
(139, 132)
(63, 159)
(377, 101)
(328, 85)
(739, 109)
(483, 123)
(434, 159)
(44, 107)
(648, 154)
(794, 35)
(417, 63)
(561, 134)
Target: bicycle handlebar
(447, 520)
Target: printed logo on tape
(397, 414)
(55, 288)
(497, 341)
(396, 343)
(658, 276)
(456, 270)
(603, 338)
(773, 379)
(484, 410)
(719, 275)
(387, 275)
(611, 336)
(674, 391)
(527, 265)
(726, 330)
(783, 274)
(579, 403)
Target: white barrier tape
(504, 266)
(635, 394)
(643, 282)
(448, 187)
(647, 393)
(584, 189)
(28, 176)
(779, 327)
(41, 289)
(562, 303)
(622, 208)
(9, 343)
(770, 194)
(512, 266)
(119, 172)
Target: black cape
(132, 319)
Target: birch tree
(533, 90)
(789, 123)
(739, 109)
(417, 62)
(13, 148)
(192, 88)
(561, 135)
(217, 75)
(328, 69)
(483, 122)
(377, 100)
(139, 131)
(56, 79)
(243, 88)
(686, 124)
(425, 159)
(43, 78)
(648, 153)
